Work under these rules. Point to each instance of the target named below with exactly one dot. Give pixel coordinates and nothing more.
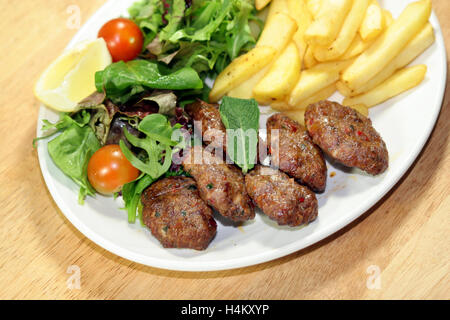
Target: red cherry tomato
(123, 38)
(109, 170)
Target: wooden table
(405, 236)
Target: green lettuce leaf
(121, 81)
(158, 147)
(148, 15)
(71, 151)
(206, 36)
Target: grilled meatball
(280, 197)
(207, 119)
(221, 185)
(295, 154)
(176, 215)
(347, 136)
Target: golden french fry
(373, 23)
(277, 6)
(309, 60)
(278, 32)
(241, 69)
(281, 105)
(281, 78)
(343, 89)
(323, 94)
(361, 108)
(326, 26)
(261, 4)
(245, 90)
(314, 6)
(388, 45)
(346, 35)
(357, 47)
(413, 49)
(300, 13)
(315, 79)
(296, 115)
(388, 19)
(400, 82)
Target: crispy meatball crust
(347, 136)
(221, 185)
(206, 118)
(280, 197)
(176, 215)
(295, 153)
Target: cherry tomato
(109, 170)
(123, 38)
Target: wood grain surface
(405, 236)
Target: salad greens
(121, 81)
(203, 34)
(241, 119)
(73, 148)
(159, 147)
(185, 41)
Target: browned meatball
(347, 136)
(280, 197)
(176, 215)
(295, 153)
(220, 184)
(207, 119)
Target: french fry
(343, 89)
(328, 23)
(261, 4)
(400, 82)
(278, 32)
(300, 13)
(413, 49)
(314, 7)
(277, 6)
(245, 90)
(346, 35)
(241, 69)
(361, 108)
(373, 23)
(388, 19)
(309, 60)
(281, 78)
(357, 47)
(315, 79)
(281, 105)
(323, 94)
(296, 115)
(388, 45)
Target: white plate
(404, 122)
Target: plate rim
(271, 254)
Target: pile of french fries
(308, 49)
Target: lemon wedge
(71, 77)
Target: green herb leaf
(241, 119)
